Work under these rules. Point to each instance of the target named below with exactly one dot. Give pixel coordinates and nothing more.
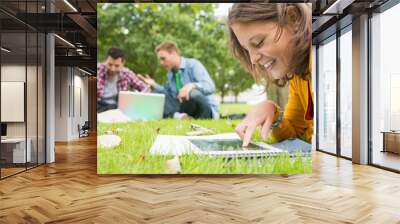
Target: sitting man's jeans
(197, 106)
(102, 106)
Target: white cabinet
(12, 101)
(17, 147)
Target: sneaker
(182, 116)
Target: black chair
(84, 130)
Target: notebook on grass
(225, 145)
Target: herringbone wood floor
(70, 191)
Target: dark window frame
(44, 77)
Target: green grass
(132, 155)
(226, 109)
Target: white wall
(33, 127)
(82, 82)
(61, 103)
(14, 73)
(71, 94)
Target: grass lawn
(229, 108)
(132, 155)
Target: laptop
(227, 145)
(141, 106)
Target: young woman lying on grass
(273, 43)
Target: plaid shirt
(126, 80)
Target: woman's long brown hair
(296, 16)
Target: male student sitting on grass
(113, 77)
(189, 90)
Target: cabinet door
(392, 142)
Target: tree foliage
(139, 28)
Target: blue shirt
(192, 71)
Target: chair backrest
(86, 125)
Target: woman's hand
(261, 115)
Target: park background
(200, 32)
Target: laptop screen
(223, 145)
(141, 106)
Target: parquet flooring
(70, 191)
(387, 159)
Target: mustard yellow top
(297, 119)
